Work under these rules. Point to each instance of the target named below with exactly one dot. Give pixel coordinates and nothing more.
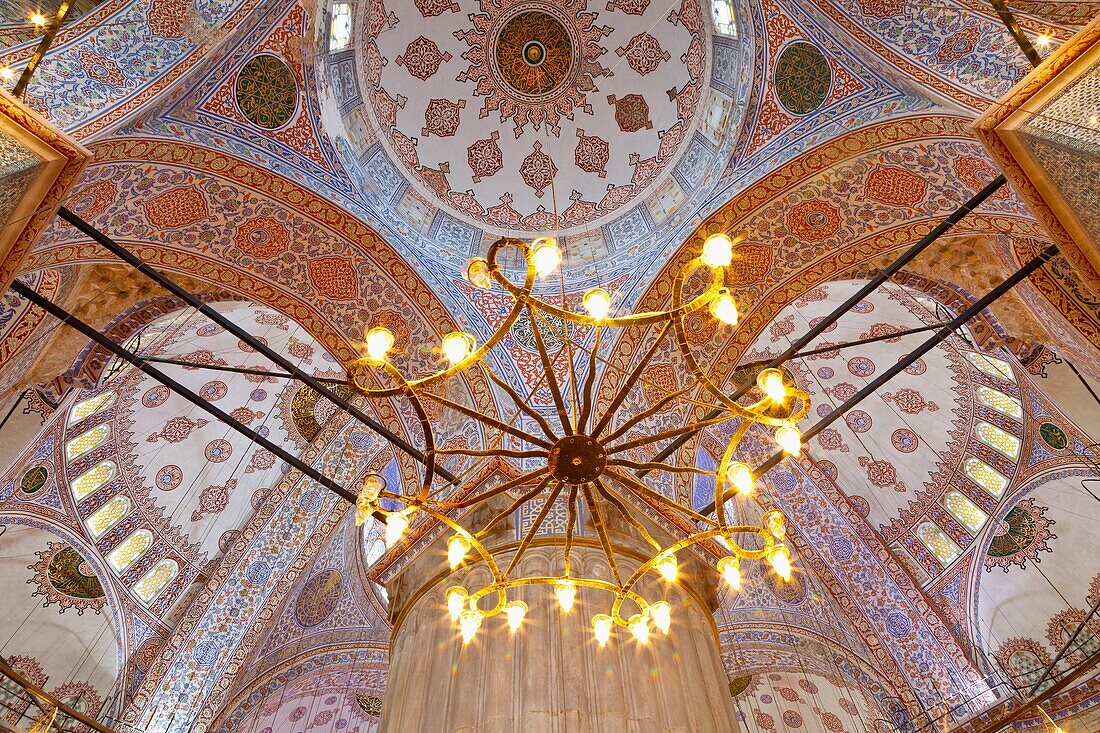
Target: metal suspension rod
(872, 285)
(170, 285)
(235, 370)
(40, 51)
(1035, 263)
(122, 352)
(1017, 34)
(849, 344)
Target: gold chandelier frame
(579, 460)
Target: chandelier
(581, 455)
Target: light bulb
(379, 343)
(717, 250)
(477, 273)
(457, 547)
(780, 558)
(661, 613)
(456, 598)
(373, 485)
(566, 592)
(1043, 40)
(38, 19)
(597, 302)
(771, 381)
(730, 568)
(457, 345)
(639, 627)
(468, 624)
(546, 255)
(6, 73)
(723, 308)
(396, 524)
(740, 475)
(667, 567)
(776, 524)
(789, 440)
(515, 611)
(601, 628)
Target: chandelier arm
(551, 378)
(571, 519)
(659, 466)
(491, 452)
(589, 382)
(496, 490)
(640, 489)
(666, 434)
(606, 493)
(425, 427)
(492, 422)
(653, 410)
(553, 580)
(522, 405)
(720, 477)
(601, 531)
(630, 381)
(530, 534)
(520, 501)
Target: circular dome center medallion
(533, 53)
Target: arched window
(724, 18)
(153, 583)
(129, 550)
(90, 406)
(1024, 669)
(999, 401)
(339, 35)
(938, 543)
(964, 510)
(85, 442)
(1005, 443)
(991, 365)
(108, 516)
(93, 479)
(988, 478)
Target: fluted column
(551, 676)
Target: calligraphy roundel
(319, 596)
(266, 91)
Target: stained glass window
(991, 365)
(964, 510)
(92, 479)
(130, 550)
(938, 543)
(90, 406)
(985, 476)
(85, 442)
(724, 21)
(340, 31)
(1000, 402)
(108, 516)
(154, 582)
(997, 439)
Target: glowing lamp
(789, 439)
(457, 345)
(456, 599)
(780, 558)
(1043, 40)
(723, 308)
(515, 611)
(457, 547)
(771, 381)
(668, 568)
(477, 273)
(717, 250)
(373, 485)
(740, 475)
(730, 568)
(396, 524)
(601, 628)
(639, 627)
(776, 524)
(597, 303)
(38, 19)
(566, 593)
(6, 73)
(379, 343)
(468, 624)
(546, 255)
(661, 613)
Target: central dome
(534, 53)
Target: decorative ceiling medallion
(64, 578)
(318, 598)
(33, 480)
(803, 78)
(266, 92)
(1054, 436)
(1020, 536)
(533, 53)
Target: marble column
(551, 676)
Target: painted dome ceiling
(520, 117)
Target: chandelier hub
(577, 459)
